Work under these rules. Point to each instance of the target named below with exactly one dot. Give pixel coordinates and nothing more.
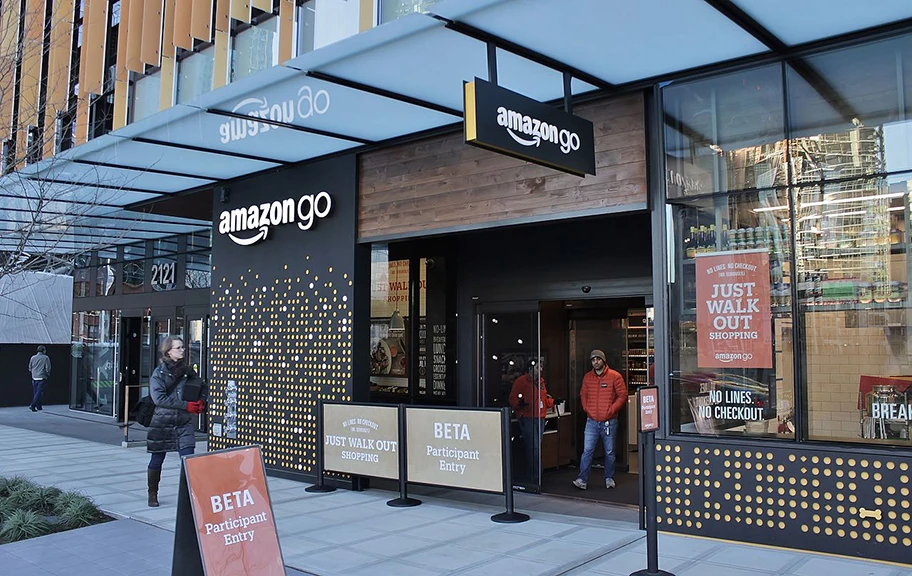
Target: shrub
(24, 524)
(77, 515)
(11, 484)
(69, 500)
(6, 509)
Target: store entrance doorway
(533, 357)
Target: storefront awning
(399, 79)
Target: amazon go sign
(247, 226)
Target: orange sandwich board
(225, 525)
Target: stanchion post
(510, 516)
(649, 408)
(403, 501)
(319, 487)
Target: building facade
(743, 245)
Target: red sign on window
(733, 310)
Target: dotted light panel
(282, 315)
(823, 501)
(286, 341)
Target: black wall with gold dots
(283, 309)
(846, 503)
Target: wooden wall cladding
(442, 183)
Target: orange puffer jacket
(603, 396)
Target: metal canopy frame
(276, 118)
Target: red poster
(733, 310)
(233, 514)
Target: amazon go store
(436, 273)
(739, 239)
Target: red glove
(196, 407)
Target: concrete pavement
(355, 533)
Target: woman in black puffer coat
(172, 427)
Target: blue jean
(158, 458)
(37, 391)
(607, 431)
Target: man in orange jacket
(530, 401)
(603, 396)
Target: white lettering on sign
(451, 431)
(891, 411)
(305, 212)
(539, 130)
(309, 104)
(732, 309)
(230, 501)
(163, 274)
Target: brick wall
(837, 355)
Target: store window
(255, 49)
(839, 194)
(731, 347)
(393, 377)
(199, 241)
(146, 96)
(95, 361)
(104, 280)
(394, 9)
(725, 133)
(195, 72)
(198, 273)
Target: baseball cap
(597, 354)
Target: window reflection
(255, 49)
(725, 133)
(95, 360)
(732, 322)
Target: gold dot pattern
(832, 497)
(284, 337)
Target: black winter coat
(172, 426)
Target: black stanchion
(403, 501)
(510, 516)
(319, 486)
(649, 499)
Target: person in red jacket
(530, 401)
(603, 395)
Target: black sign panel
(510, 123)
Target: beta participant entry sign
(233, 514)
(733, 310)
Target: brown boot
(154, 478)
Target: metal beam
(279, 124)
(385, 93)
(143, 170)
(209, 151)
(524, 52)
(743, 20)
(87, 185)
(76, 202)
(817, 82)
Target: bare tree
(49, 218)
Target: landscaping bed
(29, 510)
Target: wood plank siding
(442, 183)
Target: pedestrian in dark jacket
(40, 368)
(171, 429)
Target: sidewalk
(356, 533)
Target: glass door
(513, 373)
(197, 345)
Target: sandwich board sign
(225, 524)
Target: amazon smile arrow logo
(261, 235)
(533, 142)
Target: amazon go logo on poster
(537, 131)
(309, 103)
(247, 226)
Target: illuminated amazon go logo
(519, 125)
(259, 217)
(309, 103)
